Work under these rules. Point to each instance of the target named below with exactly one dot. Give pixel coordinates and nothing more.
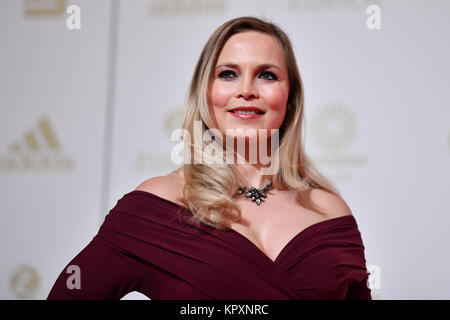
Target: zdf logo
(73, 21)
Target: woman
(231, 230)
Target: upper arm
(333, 205)
(359, 290)
(99, 271)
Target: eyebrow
(262, 66)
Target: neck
(253, 173)
(252, 176)
(249, 162)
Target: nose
(247, 88)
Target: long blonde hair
(209, 190)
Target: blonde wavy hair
(209, 189)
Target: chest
(273, 224)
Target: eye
(268, 75)
(226, 74)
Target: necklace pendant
(256, 195)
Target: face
(251, 71)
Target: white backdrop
(86, 115)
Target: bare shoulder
(333, 205)
(169, 187)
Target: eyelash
(271, 74)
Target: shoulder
(169, 187)
(331, 204)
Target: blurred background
(91, 91)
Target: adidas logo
(44, 7)
(38, 150)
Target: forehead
(252, 46)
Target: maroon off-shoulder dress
(148, 244)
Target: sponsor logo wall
(52, 122)
(87, 114)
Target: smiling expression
(251, 71)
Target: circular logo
(333, 126)
(24, 281)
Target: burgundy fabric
(148, 244)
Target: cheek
(276, 97)
(220, 94)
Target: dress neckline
(308, 230)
